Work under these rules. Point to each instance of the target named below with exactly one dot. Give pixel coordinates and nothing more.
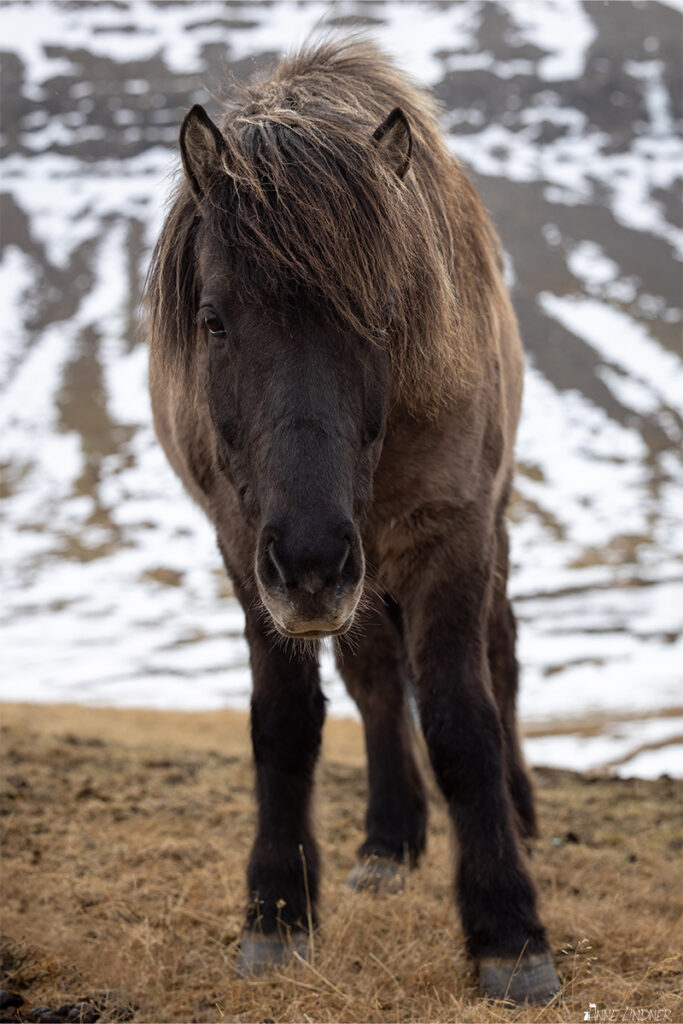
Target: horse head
(298, 398)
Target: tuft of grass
(125, 836)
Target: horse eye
(212, 323)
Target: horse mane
(305, 208)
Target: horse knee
(465, 745)
(287, 733)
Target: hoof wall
(529, 980)
(378, 875)
(258, 954)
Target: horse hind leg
(502, 638)
(374, 671)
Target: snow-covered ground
(566, 114)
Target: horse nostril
(275, 566)
(345, 571)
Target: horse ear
(202, 148)
(395, 140)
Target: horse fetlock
(524, 979)
(499, 904)
(288, 913)
(404, 844)
(378, 875)
(258, 953)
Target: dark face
(299, 410)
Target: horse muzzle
(313, 631)
(310, 585)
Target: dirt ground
(125, 835)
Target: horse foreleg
(445, 618)
(287, 713)
(373, 667)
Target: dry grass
(125, 836)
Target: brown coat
(336, 376)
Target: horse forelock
(305, 207)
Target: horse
(336, 377)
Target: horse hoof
(378, 875)
(259, 953)
(531, 979)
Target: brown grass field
(124, 840)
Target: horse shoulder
(445, 477)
